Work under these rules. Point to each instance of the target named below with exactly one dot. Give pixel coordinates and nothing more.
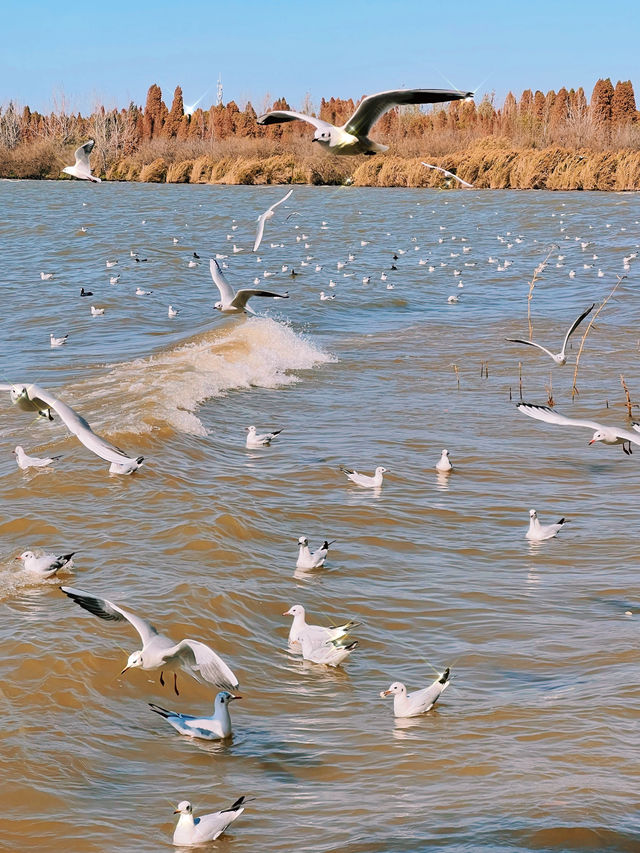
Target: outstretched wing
(530, 344)
(448, 174)
(243, 296)
(82, 155)
(371, 108)
(575, 325)
(198, 659)
(74, 422)
(226, 291)
(280, 116)
(282, 200)
(544, 413)
(260, 230)
(110, 612)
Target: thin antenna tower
(219, 91)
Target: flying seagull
(351, 137)
(605, 434)
(560, 357)
(448, 174)
(158, 651)
(81, 168)
(263, 218)
(35, 398)
(235, 302)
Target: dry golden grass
(154, 173)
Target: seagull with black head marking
(235, 302)
(352, 137)
(215, 727)
(158, 651)
(81, 168)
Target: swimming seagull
(605, 434)
(309, 560)
(57, 342)
(263, 218)
(45, 565)
(365, 480)
(235, 302)
(81, 168)
(35, 398)
(215, 727)
(318, 634)
(46, 276)
(443, 465)
(351, 137)
(560, 357)
(448, 174)
(262, 440)
(420, 701)
(539, 532)
(158, 651)
(96, 312)
(25, 461)
(172, 312)
(191, 831)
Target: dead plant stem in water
(532, 284)
(574, 389)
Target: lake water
(534, 744)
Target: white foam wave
(166, 389)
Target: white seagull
(420, 701)
(158, 651)
(57, 342)
(560, 357)
(81, 168)
(443, 465)
(318, 634)
(46, 276)
(352, 136)
(448, 174)
(190, 831)
(34, 398)
(235, 302)
(262, 220)
(539, 532)
(47, 564)
(215, 727)
(365, 480)
(25, 461)
(330, 653)
(172, 312)
(96, 312)
(308, 559)
(263, 440)
(605, 434)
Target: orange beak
(592, 441)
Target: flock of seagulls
(329, 645)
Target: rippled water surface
(534, 745)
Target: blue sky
(115, 50)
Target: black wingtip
(237, 805)
(445, 676)
(158, 710)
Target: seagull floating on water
(330, 652)
(352, 136)
(309, 560)
(81, 168)
(539, 532)
(46, 276)
(262, 440)
(605, 434)
(263, 218)
(24, 461)
(560, 358)
(420, 701)
(443, 464)
(57, 342)
(96, 312)
(317, 634)
(235, 302)
(191, 831)
(365, 480)
(158, 651)
(47, 564)
(215, 727)
(172, 312)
